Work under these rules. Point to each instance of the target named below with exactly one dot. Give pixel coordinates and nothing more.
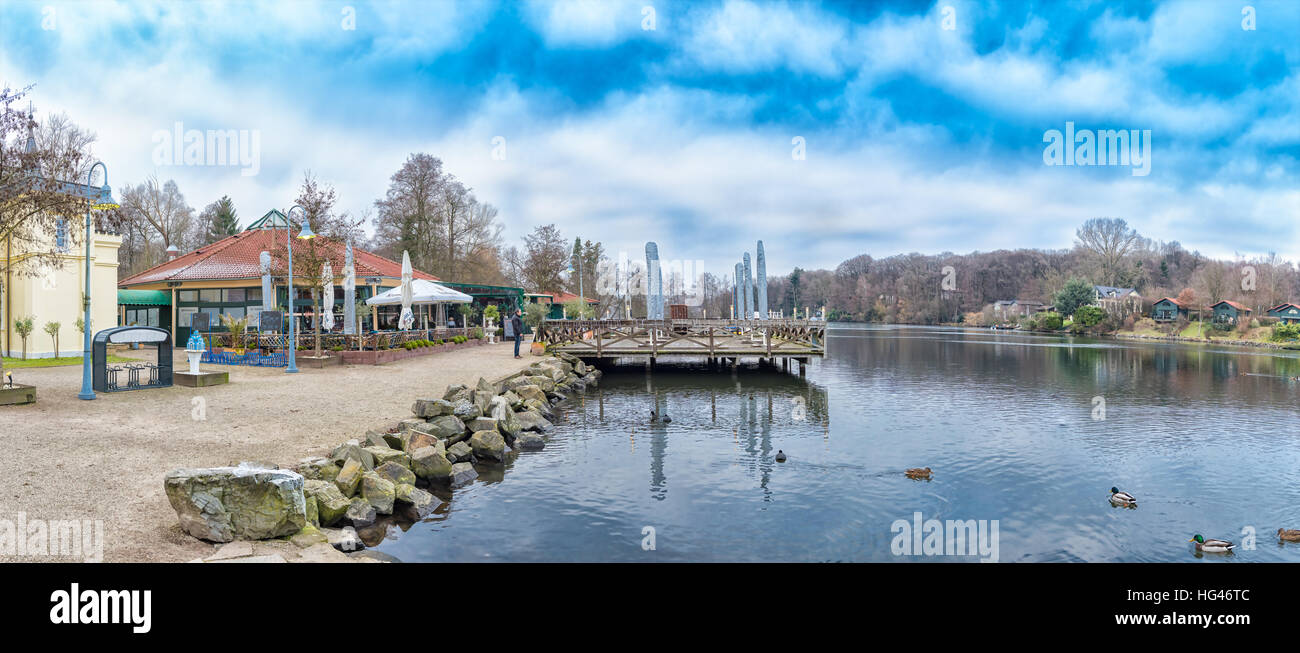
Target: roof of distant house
(1171, 300)
(1231, 303)
(564, 297)
(239, 257)
(1282, 305)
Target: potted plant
(16, 393)
(237, 327)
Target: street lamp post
(97, 201)
(306, 234)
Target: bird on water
(780, 456)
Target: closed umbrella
(327, 297)
(407, 320)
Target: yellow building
(54, 293)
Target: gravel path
(105, 459)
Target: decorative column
(349, 294)
(747, 300)
(762, 283)
(738, 288)
(654, 302)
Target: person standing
(517, 326)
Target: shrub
(1049, 320)
(1284, 332)
(1265, 321)
(478, 334)
(1088, 316)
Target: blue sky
(916, 137)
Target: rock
(419, 500)
(466, 410)
(507, 425)
(221, 504)
(430, 464)
(546, 383)
(530, 420)
(237, 549)
(317, 468)
(379, 492)
(322, 552)
(531, 392)
(349, 478)
(481, 424)
(514, 400)
(370, 555)
(530, 442)
(446, 427)
(462, 474)
(396, 439)
(540, 407)
(427, 408)
(488, 445)
(395, 473)
(514, 382)
(452, 391)
(313, 513)
(344, 539)
(352, 449)
(418, 440)
(580, 368)
(385, 455)
(308, 536)
(361, 513)
(460, 452)
(331, 505)
(490, 388)
(482, 400)
(375, 438)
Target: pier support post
(803, 366)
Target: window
(188, 296)
(213, 296)
(184, 314)
(235, 313)
(61, 234)
(254, 295)
(233, 296)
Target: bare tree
(163, 208)
(546, 260)
(1110, 240)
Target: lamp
(305, 234)
(100, 199)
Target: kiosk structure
(131, 376)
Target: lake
(1027, 432)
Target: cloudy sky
(826, 130)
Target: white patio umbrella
(327, 296)
(422, 292)
(407, 320)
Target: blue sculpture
(195, 343)
(748, 299)
(654, 301)
(762, 283)
(736, 309)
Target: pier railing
(691, 337)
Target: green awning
(144, 298)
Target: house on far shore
(1118, 301)
(1014, 308)
(1286, 312)
(1167, 309)
(1228, 311)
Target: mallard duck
(1211, 545)
(918, 473)
(780, 458)
(1122, 498)
(1288, 536)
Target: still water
(1028, 430)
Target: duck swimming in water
(1288, 535)
(1211, 545)
(1122, 498)
(918, 473)
(780, 456)
(654, 417)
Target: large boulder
(530, 442)
(490, 388)
(453, 392)
(378, 492)
(427, 408)
(466, 410)
(395, 473)
(385, 455)
(331, 505)
(531, 392)
(488, 445)
(483, 400)
(546, 383)
(420, 501)
(221, 504)
(349, 478)
(460, 452)
(505, 420)
(462, 474)
(430, 464)
(481, 424)
(322, 469)
(352, 450)
(360, 513)
(344, 539)
(532, 421)
(420, 440)
(446, 427)
(512, 399)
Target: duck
(654, 417)
(918, 473)
(1122, 498)
(780, 458)
(1288, 535)
(1211, 545)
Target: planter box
(318, 363)
(19, 394)
(390, 355)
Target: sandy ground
(105, 459)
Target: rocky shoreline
(333, 507)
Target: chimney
(172, 253)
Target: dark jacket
(517, 325)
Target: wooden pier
(716, 341)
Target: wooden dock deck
(712, 340)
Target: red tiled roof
(563, 297)
(1274, 308)
(1233, 304)
(1175, 301)
(238, 257)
